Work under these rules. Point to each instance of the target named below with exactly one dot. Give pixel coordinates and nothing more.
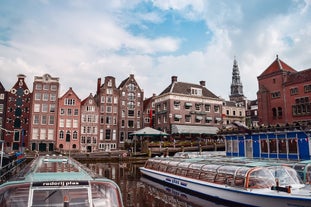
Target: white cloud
(82, 41)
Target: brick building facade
(284, 95)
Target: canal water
(138, 191)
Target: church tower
(236, 85)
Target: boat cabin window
(240, 174)
(208, 172)
(259, 178)
(285, 175)
(171, 169)
(182, 169)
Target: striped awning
(189, 129)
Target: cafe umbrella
(146, 132)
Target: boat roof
(51, 168)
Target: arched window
(274, 112)
(61, 134)
(75, 135)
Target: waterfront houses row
(44, 121)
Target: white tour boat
(59, 181)
(240, 183)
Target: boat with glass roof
(59, 181)
(246, 183)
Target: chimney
(174, 79)
(202, 83)
(99, 80)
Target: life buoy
(124, 154)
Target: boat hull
(255, 197)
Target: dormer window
(196, 91)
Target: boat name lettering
(60, 183)
(175, 181)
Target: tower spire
(236, 85)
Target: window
(53, 87)
(108, 120)
(46, 87)
(76, 112)
(61, 134)
(188, 105)
(198, 119)
(109, 99)
(109, 109)
(52, 107)
(188, 118)
(216, 109)
(102, 100)
(276, 94)
(198, 107)
(131, 87)
(108, 131)
(51, 120)
(177, 117)
(43, 120)
(61, 123)
(177, 105)
(131, 96)
(75, 135)
(69, 102)
(90, 108)
(130, 123)
(52, 97)
(68, 123)
(45, 97)
(38, 86)
(75, 123)
(196, 91)
(131, 113)
(37, 96)
(62, 111)
(36, 119)
(293, 91)
(131, 105)
(44, 108)
(207, 107)
(36, 108)
(109, 91)
(307, 88)
(69, 112)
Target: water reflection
(138, 191)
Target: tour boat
(243, 183)
(59, 181)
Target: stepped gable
(299, 77)
(277, 66)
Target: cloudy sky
(80, 41)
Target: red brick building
(107, 98)
(2, 110)
(89, 124)
(130, 108)
(44, 111)
(284, 95)
(17, 116)
(69, 121)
